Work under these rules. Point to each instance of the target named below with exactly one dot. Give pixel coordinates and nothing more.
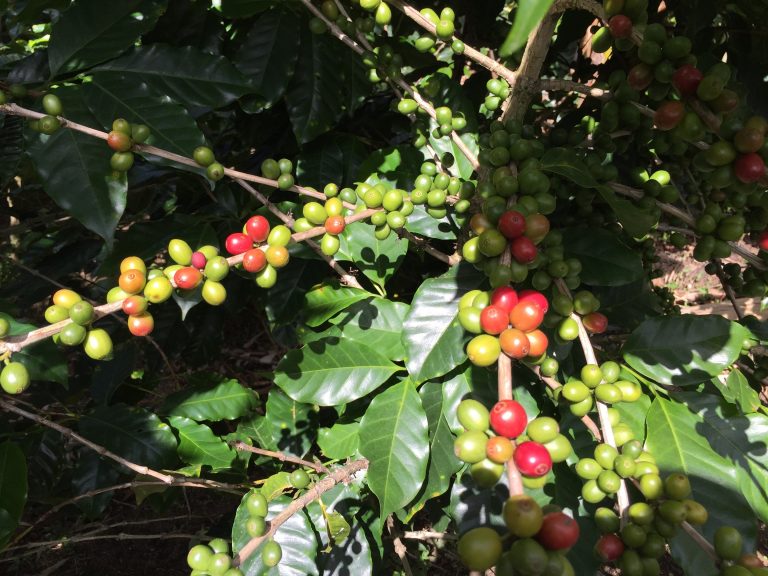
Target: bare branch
(239, 445)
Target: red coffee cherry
(494, 319)
(187, 278)
(536, 297)
(237, 243)
(254, 260)
(526, 316)
(558, 531)
(620, 26)
(257, 227)
(532, 459)
(523, 250)
(596, 323)
(199, 260)
(504, 297)
(512, 224)
(609, 548)
(335, 225)
(508, 419)
(686, 80)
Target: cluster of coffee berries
(532, 455)
(444, 29)
(279, 170)
(14, 377)
(256, 525)
(69, 305)
(49, 123)
(597, 383)
(603, 473)
(504, 321)
(538, 541)
(445, 118)
(637, 546)
(583, 303)
(330, 215)
(205, 157)
(498, 92)
(212, 559)
(264, 249)
(121, 139)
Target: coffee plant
(387, 272)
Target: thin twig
(240, 445)
(428, 535)
(133, 484)
(422, 244)
(398, 545)
(343, 474)
(139, 469)
(472, 53)
(727, 288)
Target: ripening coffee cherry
(98, 344)
(256, 504)
(470, 446)
(508, 418)
(494, 320)
(187, 278)
(299, 479)
(14, 378)
(514, 343)
(56, 313)
(238, 243)
(532, 459)
(135, 305)
(141, 324)
(483, 350)
(214, 293)
(728, 543)
(558, 531)
(480, 548)
(257, 227)
(199, 557)
(81, 313)
(271, 553)
(523, 516)
(158, 290)
(119, 141)
(52, 104)
(204, 156)
(121, 161)
(499, 449)
(609, 548)
(66, 298)
(215, 171)
(254, 260)
(217, 268)
(131, 281)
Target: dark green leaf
(92, 473)
(326, 300)
(432, 334)
(269, 54)
(186, 75)
(635, 220)
(682, 440)
(605, 260)
(397, 167)
(394, 438)
(377, 259)
(222, 400)
(377, 323)
(332, 371)
(527, 17)
(335, 158)
(565, 163)
(443, 463)
(339, 441)
(75, 172)
(295, 537)
(245, 8)
(113, 96)
(291, 422)
(736, 390)
(11, 147)
(258, 429)
(90, 32)
(421, 223)
(684, 350)
(133, 433)
(199, 445)
(13, 479)
(325, 86)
